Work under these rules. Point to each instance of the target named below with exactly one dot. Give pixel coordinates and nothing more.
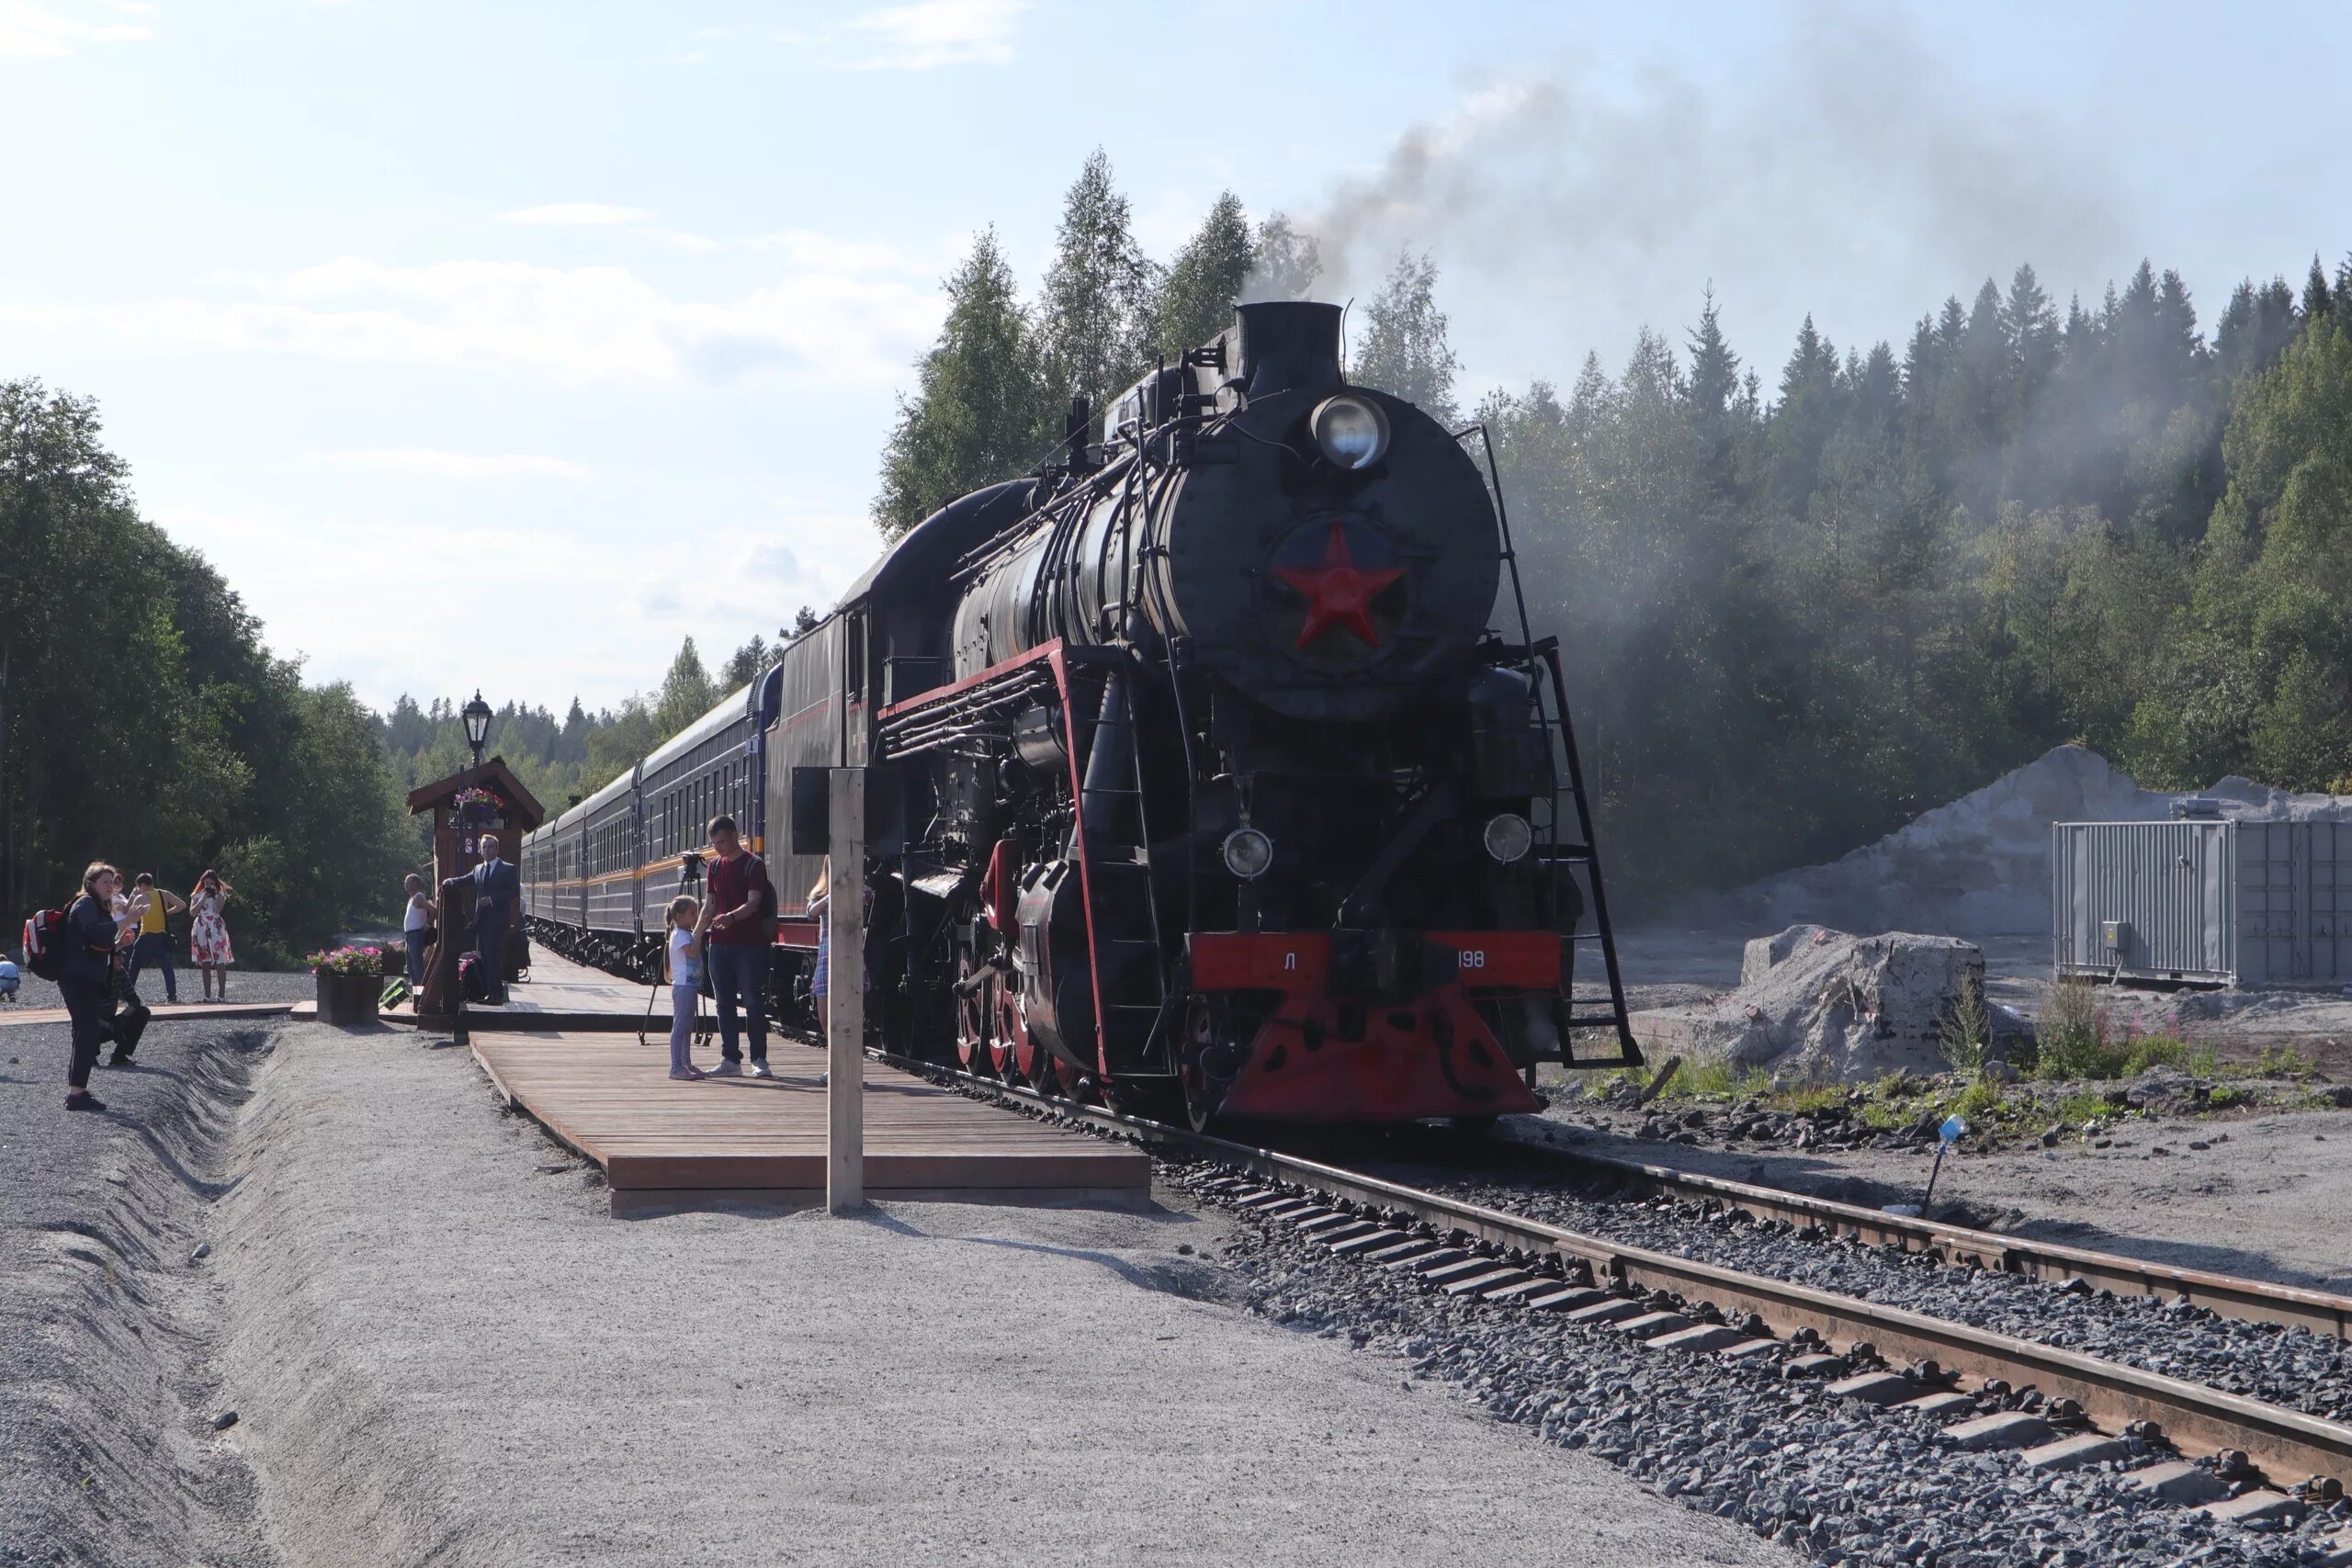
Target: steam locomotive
(1196, 775)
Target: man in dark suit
(498, 902)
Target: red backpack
(45, 943)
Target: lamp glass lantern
(477, 717)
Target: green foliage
(1286, 263)
(2073, 1037)
(141, 719)
(2083, 1106)
(1095, 313)
(1195, 302)
(1966, 1028)
(1981, 1100)
(980, 411)
(2154, 1051)
(1403, 347)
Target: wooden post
(845, 995)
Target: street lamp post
(477, 717)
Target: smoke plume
(1852, 178)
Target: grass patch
(1981, 1100)
(1806, 1099)
(2083, 1107)
(2155, 1051)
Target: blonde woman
(681, 956)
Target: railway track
(2263, 1464)
(2251, 1301)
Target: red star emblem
(1337, 593)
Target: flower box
(348, 999)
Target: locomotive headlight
(1508, 837)
(1352, 431)
(1248, 853)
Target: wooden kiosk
(465, 805)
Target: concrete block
(1616, 1309)
(2176, 1481)
(2006, 1429)
(2254, 1508)
(1875, 1388)
(1703, 1337)
(2072, 1453)
(1371, 1241)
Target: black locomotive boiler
(1198, 770)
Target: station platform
(665, 1144)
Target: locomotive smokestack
(1289, 346)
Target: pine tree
(744, 664)
(1288, 262)
(2316, 297)
(1207, 276)
(1095, 312)
(687, 690)
(1405, 350)
(2031, 326)
(980, 413)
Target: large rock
(1820, 1006)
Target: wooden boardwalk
(666, 1144)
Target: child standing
(684, 952)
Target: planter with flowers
(478, 808)
(350, 979)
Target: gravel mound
(1979, 866)
(109, 1392)
(1828, 1479)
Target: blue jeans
(740, 975)
(416, 940)
(155, 947)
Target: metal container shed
(2247, 903)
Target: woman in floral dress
(208, 932)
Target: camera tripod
(689, 883)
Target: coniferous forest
(1805, 596)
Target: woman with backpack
(207, 935)
(85, 976)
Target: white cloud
(575, 215)
(859, 320)
(921, 35)
(27, 30)
(435, 464)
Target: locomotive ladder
(1545, 816)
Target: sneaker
(759, 1070)
(688, 1075)
(83, 1099)
(726, 1070)
(121, 1058)
(824, 1078)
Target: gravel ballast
(2295, 1367)
(1829, 1477)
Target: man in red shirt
(735, 937)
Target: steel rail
(2259, 1301)
(2287, 1445)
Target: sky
(501, 346)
